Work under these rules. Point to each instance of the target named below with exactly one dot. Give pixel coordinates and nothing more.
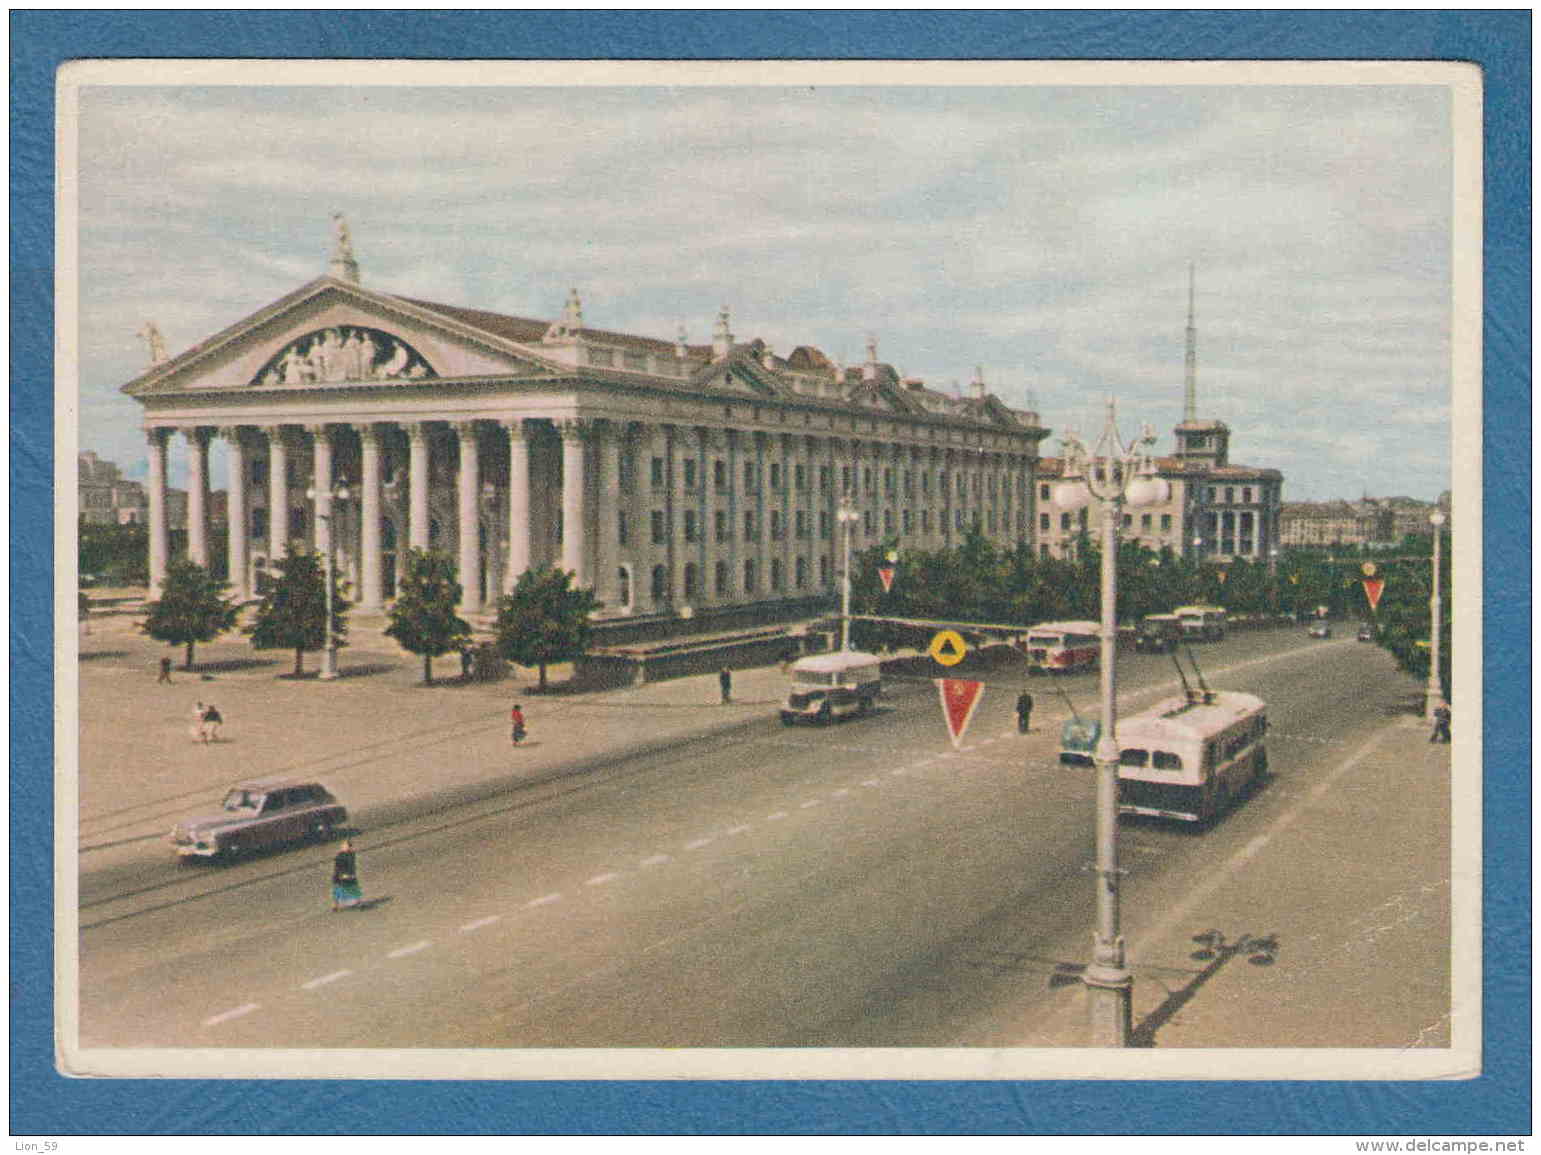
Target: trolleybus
(1188, 758)
(1201, 623)
(1062, 647)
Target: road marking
(841, 793)
(214, 1020)
(413, 948)
(810, 802)
(543, 900)
(481, 922)
(776, 816)
(601, 879)
(656, 860)
(737, 830)
(324, 979)
(699, 843)
(897, 770)
(870, 782)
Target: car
(260, 814)
(1366, 633)
(1319, 630)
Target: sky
(1041, 233)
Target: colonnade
(653, 515)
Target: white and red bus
(1062, 647)
(1190, 757)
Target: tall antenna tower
(1191, 361)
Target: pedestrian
(1024, 712)
(345, 887)
(212, 720)
(1441, 723)
(725, 683)
(165, 672)
(516, 724)
(200, 723)
(465, 663)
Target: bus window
(1165, 760)
(1133, 757)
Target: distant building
(1216, 511)
(1372, 522)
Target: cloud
(1044, 233)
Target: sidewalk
(1347, 961)
(377, 734)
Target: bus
(1062, 647)
(833, 685)
(1201, 623)
(1188, 758)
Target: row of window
(905, 522)
(893, 480)
(722, 578)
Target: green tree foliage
(545, 619)
(1402, 619)
(114, 555)
(423, 618)
(191, 609)
(292, 614)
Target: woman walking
(345, 888)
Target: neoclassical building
(665, 474)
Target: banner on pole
(960, 698)
(886, 576)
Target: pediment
(332, 333)
(739, 376)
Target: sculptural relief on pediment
(344, 353)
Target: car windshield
(242, 800)
(813, 678)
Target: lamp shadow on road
(1215, 952)
(370, 903)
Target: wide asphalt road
(859, 885)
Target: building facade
(1215, 512)
(666, 475)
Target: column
(158, 529)
(763, 499)
(417, 470)
(372, 587)
(278, 495)
(788, 503)
(518, 503)
(468, 492)
(197, 495)
(575, 500)
(237, 515)
(679, 445)
(321, 483)
(607, 541)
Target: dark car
(260, 814)
(1366, 633)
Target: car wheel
(786, 719)
(321, 830)
(824, 714)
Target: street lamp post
(847, 514)
(1112, 474)
(1435, 694)
(329, 654)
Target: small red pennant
(1372, 591)
(886, 575)
(960, 698)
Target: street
(861, 885)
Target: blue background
(43, 1103)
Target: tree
(423, 618)
(190, 610)
(545, 619)
(292, 614)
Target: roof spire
(572, 312)
(1191, 360)
(869, 370)
(722, 336)
(344, 267)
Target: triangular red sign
(1372, 591)
(886, 575)
(959, 700)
